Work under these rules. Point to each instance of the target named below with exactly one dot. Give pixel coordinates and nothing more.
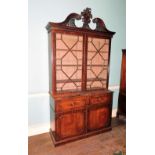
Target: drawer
(101, 98)
(70, 104)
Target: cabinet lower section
(80, 116)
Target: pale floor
(103, 144)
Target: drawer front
(70, 104)
(101, 98)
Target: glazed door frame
(54, 81)
(108, 65)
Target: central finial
(86, 17)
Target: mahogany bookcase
(79, 58)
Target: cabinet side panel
(52, 114)
(108, 75)
(50, 60)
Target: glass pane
(68, 62)
(97, 63)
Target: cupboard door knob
(72, 104)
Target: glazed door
(70, 124)
(98, 117)
(97, 63)
(69, 54)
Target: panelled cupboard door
(98, 117)
(69, 54)
(70, 124)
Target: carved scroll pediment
(100, 26)
(86, 17)
(70, 20)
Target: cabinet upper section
(79, 57)
(86, 17)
